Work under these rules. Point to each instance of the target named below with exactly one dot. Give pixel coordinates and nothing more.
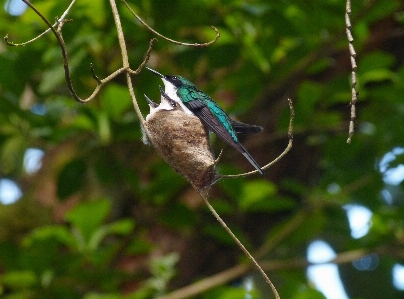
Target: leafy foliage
(104, 217)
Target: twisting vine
(169, 39)
(354, 69)
(43, 33)
(58, 34)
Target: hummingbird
(195, 102)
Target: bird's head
(175, 81)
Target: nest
(183, 141)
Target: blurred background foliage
(103, 217)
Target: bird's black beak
(150, 102)
(170, 100)
(156, 73)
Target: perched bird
(182, 140)
(195, 102)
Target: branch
(208, 283)
(239, 270)
(43, 33)
(288, 228)
(169, 39)
(125, 59)
(62, 45)
(293, 263)
(246, 252)
(341, 258)
(59, 37)
(287, 149)
(147, 57)
(354, 68)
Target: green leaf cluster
(73, 234)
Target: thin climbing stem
(246, 252)
(125, 59)
(43, 33)
(100, 82)
(172, 40)
(354, 92)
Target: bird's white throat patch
(171, 91)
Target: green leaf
(164, 265)
(84, 122)
(87, 217)
(23, 294)
(163, 269)
(121, 227)
(104, 127)
(115, 100)
(18, 279)
(309, 94)
(375, 61)
(377, 76)
(12, 153)
(58, 232)
(9, 254)
(139, 246)
(309, 294)
(256, 191)
(56, 76)
(92, 10)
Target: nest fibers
(183, 141)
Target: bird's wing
(200, 104)
(194, 102)
(217, 121)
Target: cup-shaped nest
(183, 141)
